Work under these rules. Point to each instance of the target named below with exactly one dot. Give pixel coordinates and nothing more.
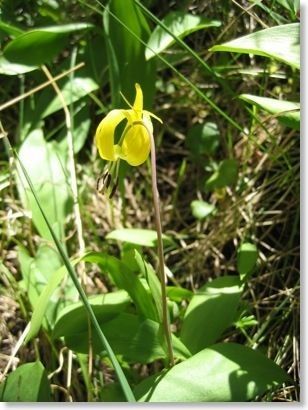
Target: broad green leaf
(287, 112)
(143, 237)
(28, 383)
(8, 68)
(201, 209)
(136, 339)
(49, 180)
(203, 139)
(40, 45)
(180, 24)
(45, 299)
(225, 175)
(211, 311)
(126, 279)
(280, 42)
(247, 257)
(41, 275)
(225, 372)
(74, 319)
(124, 28)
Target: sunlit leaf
(285, 111)
(49, 179)
(211, 310)
(143, 237)
(40, 45)
(225, 372)
(247, 257)
(74, 319)
(28, 383)
(201, 209)
(280, 42)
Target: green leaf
(226, 372)
(154, 284)
(38, 272)
(41, 45)
(203, 139)
(126, 30)
(201, 209)
(72, 91)
(44, 301)
(8, 68)
(50, 181)
(111, 392)
(126, 279)
(180, 24)
(280, 42)
(178, 294)
(211, 310)
(247, 257)
(28, 383)
(136, 339)
(143, 237)
(74, 319)
(10, 29)
(225, 175)
(287, 112)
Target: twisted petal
(104, 137)
(136, 145)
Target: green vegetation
(103, 297)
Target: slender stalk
(160, 246)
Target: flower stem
(162, 275)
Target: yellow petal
(138, 103)
(136, 145)
(104, 137)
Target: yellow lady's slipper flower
(134, 145)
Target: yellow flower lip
(134, 145)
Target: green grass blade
(122, 379)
